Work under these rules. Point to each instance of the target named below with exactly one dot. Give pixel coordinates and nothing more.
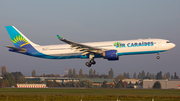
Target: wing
(85, 49)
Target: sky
(91, 21)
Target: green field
(57, 94)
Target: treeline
(44, 75)
(83, 83)
(72, 73)
(143, 75)
(11, 79)
(92, 74)
(87, 84)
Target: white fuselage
(126, 47)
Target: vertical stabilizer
(18, 39)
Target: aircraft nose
(173, 45)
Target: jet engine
(110, 55)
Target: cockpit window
(168, 42)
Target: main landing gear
(90, 63)
(91, 60)
(158, 57)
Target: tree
(124, 84)
(89, 83)
(111, 73)
(3, 70)
(53, 84)
(5, 83)
(119, 77)
(33, 73)
(51, 75)
(130, 85)
(136, 83)
(94, 72)
(175, 76)
(148, 75)
(157, 85)
(153, 76)
(140, 75)
(10, 78)
(19, 77)
(134, 76)
(143, 74)
(85, 83)
(172, 77)
(74, 72)
(159, 75)
(70, 72)
(119, 84)
(68, 84)
(104, 85)
(90, 73)
(80, 73)
(127, 76)
(85, 76)
(43, 74)
(168, 75)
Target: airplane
(110, 50)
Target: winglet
(59, 37)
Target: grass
(56, 94)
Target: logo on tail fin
(19, 40)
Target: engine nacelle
(113, 59)
(110, 55)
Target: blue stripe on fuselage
(41, 55)
(140, 52)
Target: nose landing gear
(158, 57)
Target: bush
(157, 85)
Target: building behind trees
(165, 84)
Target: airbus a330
(110, 50)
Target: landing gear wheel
(158, 57)
(88, 64)
(92, 61)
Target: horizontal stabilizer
(22, 50)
